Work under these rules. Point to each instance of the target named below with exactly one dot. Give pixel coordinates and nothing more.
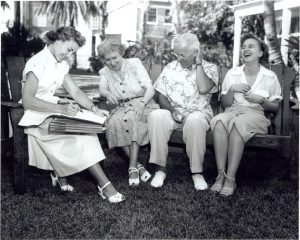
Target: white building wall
(122, 19)
(85, 51)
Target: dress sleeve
(103, 84)
(275, 90)
(142, 74)
(226, 83)
(211, 71)
(37, 68)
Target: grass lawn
(265, 204)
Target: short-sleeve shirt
(132, 81)
(50, 75)
(179, 85)
(266, 85)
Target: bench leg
(19, 159)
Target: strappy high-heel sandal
(228, 191)
(116, 198)
(55, 181)
(217, 186)
(133, 181)
(143, 173)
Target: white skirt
(67, 154)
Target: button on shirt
(179, 85)
(265, 85)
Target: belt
(127, 100)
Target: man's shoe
(199, 182)
(158, 179)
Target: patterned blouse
(179, 85)
(132, 81)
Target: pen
(71, 103)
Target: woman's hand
(111, 99)
(138, 110)
(69, 109)
(100, 112)
(254, 98)
(240, 87)
(177, 116)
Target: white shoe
(199, 182)
(55, 181)
(116, 198)
(146, 175)
(133, 181)
(158, 179)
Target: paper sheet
(35, 118)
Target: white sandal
(116, 198)
(146, 175)
(133, 181)
(55, 181)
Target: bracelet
(198, 64)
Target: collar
(50, 58)
(193, 66)
(262, 70)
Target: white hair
(188, 41)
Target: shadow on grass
(265, 205)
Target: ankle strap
(200, 173)
(229, 178)
(132, 169)
(105, 185)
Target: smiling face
(113, 60)
(63, 50)
(251, 50)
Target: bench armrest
(13, 105)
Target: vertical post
(286, 24)
(237, 37)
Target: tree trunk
(271, 35)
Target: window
(96, 23)
(278, 22)
(168, 17)
(152, 15)
(295, 20)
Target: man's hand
(111, 99)
(254, 98)
(240, 87)
(177, 116)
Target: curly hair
(65, 33)
(264, 59)
(110, 45)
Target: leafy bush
(20, 41)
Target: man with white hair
(184, 91)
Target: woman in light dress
(66, 154)
(126, 83)
(247, 92)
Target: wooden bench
(280, 141)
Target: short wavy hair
(65, 33)
(264, 59)
(188, 41)
(110, 45)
